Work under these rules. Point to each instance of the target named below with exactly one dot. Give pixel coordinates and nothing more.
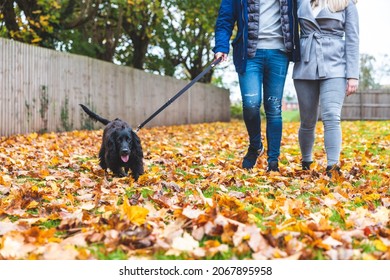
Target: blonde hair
(333, 5)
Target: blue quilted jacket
(245, 15)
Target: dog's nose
(125, 151)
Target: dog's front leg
(102, 160)
(137, 169)
(118, 171)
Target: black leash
(215, 62)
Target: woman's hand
(352, 85)
(220, 54)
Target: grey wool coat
(329, 43)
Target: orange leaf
(135, 214)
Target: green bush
(236, 111)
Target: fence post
(361, 104)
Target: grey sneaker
(332, 169)
(306, 165)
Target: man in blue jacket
(266, 40)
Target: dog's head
(124, 143)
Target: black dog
(121, 147)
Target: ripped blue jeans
(265, 76)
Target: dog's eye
(124, 139)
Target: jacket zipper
(293, 25)
(243, 31)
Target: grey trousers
(330, 94)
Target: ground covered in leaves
(194, 201)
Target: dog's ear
(112, 143)
(136, 143)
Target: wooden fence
(41, 89)
(367, 105)
(363, 105)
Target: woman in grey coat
(327, 72)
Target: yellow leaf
(380, 246)
(143, 179)
(36, 40)
(44, 173)
(43, 20)
(70, 197)
(32, 136)
(55, 161)
(32, 204)
(155, 169)
(5, 180)
(371, 197)
(135, 214)
(55, 5)
(288, 237)
(368, 257)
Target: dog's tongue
(125, 158)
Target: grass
(102, 253)
(288, 116)
(50, 224)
